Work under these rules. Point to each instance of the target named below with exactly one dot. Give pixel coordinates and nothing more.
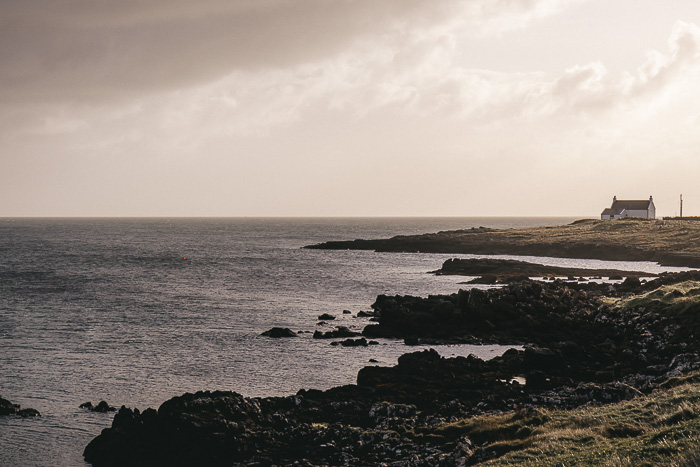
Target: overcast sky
(347, 107)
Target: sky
(348, 107)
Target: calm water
(136, 311)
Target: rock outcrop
(279, 332)
(8, 408)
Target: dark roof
(607, 212)
(635, 205)
(627, 205)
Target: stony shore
(583, 345)
(670, 243)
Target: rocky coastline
(507, 270)
(581, 345)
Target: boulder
(28, 413)
(7, 407)
(279, 332)
(340, 331)
(361, 342)
(103, 406)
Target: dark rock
(326, 317)
(7, 407)
(339, 332)
(487, 279)
(411, 340)
(361, 342)
(103, 406)
(537, 358)
(631, 282)
(365, 314)
(28, 413)
(86, 405)
(536, 380)
(279, 332)
(347, 312)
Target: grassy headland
(670, 243)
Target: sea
(135, 311)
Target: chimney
(651, 198)
(614, 199)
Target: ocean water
(136, 311)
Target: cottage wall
(636, 213)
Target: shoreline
(589, 345)
(669, 243)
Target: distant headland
(667, 242)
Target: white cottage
(630, 208)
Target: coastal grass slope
(658, 429)
(668, 242)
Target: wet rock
(536, 380)
(7, 407)
(279, 332)
(103, 406)
(28, 413)
(361, 342)
(537, 358)
(631, 282)
(338, 332)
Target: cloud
(414, 79)
(97, 51)
(500, 16)
(437, 86)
